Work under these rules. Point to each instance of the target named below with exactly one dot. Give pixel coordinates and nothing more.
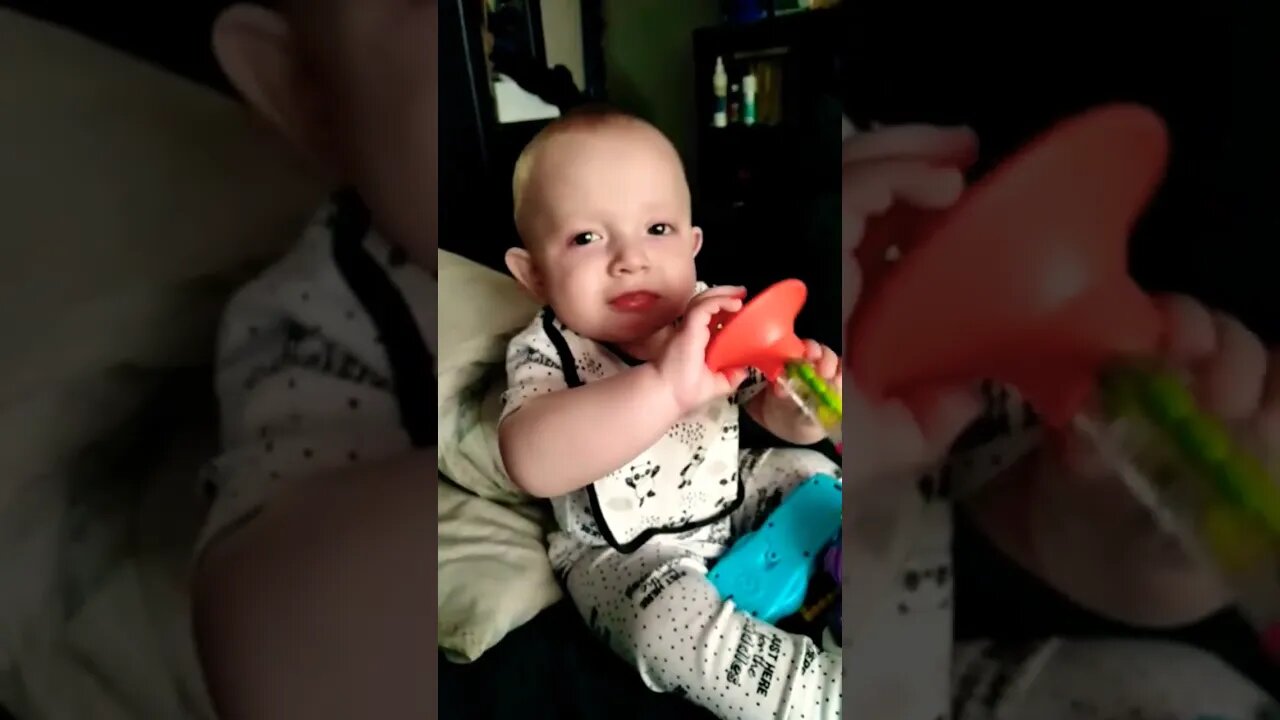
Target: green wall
(648, 49)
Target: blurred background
(111, 156)
(1210, 232)
(1207, 68)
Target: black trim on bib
(569, 366)
(622, 355)
(412, 375)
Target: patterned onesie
(633, 548)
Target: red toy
(762, 335)
(1025, 280)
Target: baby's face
(610, 231)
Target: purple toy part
(831, 563)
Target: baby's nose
(630, 259)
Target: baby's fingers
(1190, 335)
(813, 351)
(872, 188)
(732, 291)
(701, 311)
(1269, 416)
(823, 359)
(1232, 381)
(953, 146)
(827, 364)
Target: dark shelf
(767, 195)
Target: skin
(1068, 519)
(317, 607)
(1061, 514)
(604, 210)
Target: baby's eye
(585, 238)
(661, 229)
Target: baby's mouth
(637, 301)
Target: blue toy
(766, 573)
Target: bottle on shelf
(720, 84)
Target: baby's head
(603, 209)
(352, 84)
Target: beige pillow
(493, 569)
(480, 310)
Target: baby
(612, 413)
(313, 571)
(1061, 515)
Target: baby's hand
(922, 167)
(919, 166)
(683, 362)
(780, 415)
(825, 362)
(1228, 369)
(1097, 542)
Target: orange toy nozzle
(760, 335)
(1025, 280)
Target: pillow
(492, 566)
(493, 571)
(480, 311)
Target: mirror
(536, 57)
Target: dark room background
(1208, 68)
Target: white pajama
(656, 609)
(325, 360)
(634, 547)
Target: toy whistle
(1025, 282)
(762, 335)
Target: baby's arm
(565, 440)
(555, 439)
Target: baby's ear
(521, 265)
(259, 53)
(697, 241)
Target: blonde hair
(588, 117)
